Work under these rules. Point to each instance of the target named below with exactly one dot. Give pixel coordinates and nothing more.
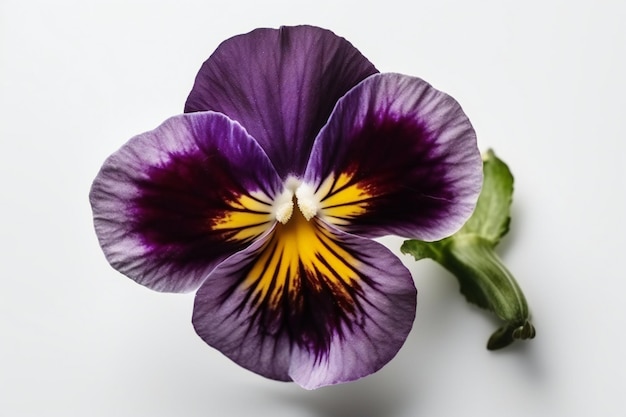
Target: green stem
(486, 282)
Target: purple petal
(396, 157)
(308, 303)
(172, 203)
(281, 85)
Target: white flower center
(304, 196)
(284, 210)
(307, 202)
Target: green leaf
(491, 217)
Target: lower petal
(308, 303)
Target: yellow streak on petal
(343, 200)
(301, 245)
(249, 218)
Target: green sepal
(469, 254)
(492, 215)
(421, 250)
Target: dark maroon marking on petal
(382, 157)
(281, 85)
(180, 202)
(309, 317)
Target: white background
(542, 81)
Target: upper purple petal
(281, 85)
(396, 157)
(173, 202)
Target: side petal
(308, 303)
(281, 85)
(396, 157)
(175, 201)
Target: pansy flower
(292, 155)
